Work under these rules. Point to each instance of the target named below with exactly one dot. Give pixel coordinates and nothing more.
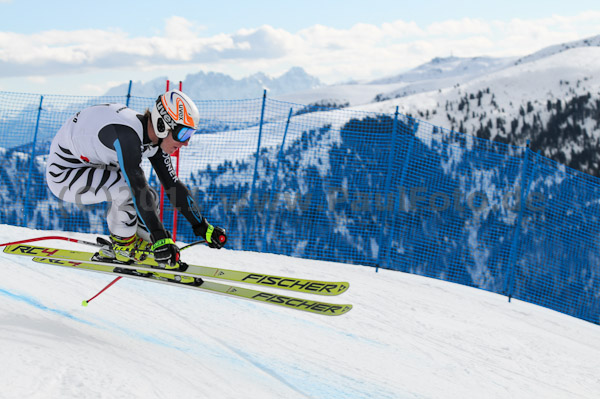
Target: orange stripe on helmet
(187, 119)
(173, 114)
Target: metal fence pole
(255, 177)
(128, 94)
(387, 191)
(512, 258)
(404, 171)
(28, 186)
(274, 185)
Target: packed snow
(406, 337)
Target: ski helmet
(175, 111)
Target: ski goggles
(183, 133)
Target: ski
(287, 283)
(317, 307)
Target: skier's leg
(74, 181)
(142, 230)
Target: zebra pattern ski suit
(96, 157)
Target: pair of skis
(147, 269)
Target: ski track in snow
(244, 356)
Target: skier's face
(170, 145)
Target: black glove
(215, 236)
(165, 250)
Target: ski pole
(75, 240)
(78, 241)
(85, 303)
(192, 244)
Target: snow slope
(407, 337)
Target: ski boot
(124, 250)
(134, 249)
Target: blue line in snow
(32, 302)
(110, 326)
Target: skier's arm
(180, 196)
(178, 193)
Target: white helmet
(175, 111)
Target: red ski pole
(85, 303)
(75, 240)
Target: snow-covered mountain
(431, 76)
(551, 99)
(593, 41)
(452, 71)
(449, 67)
(218, 86)
(434, 75)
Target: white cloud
(401, 29)
(465, 26)
(361, 51)
(37, 79)
(179, 28)
(99, 89)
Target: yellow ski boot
(125, 249)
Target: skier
(96, 157)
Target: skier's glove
(215, 236)
(165, 251)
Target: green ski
(287, 283)
(307, 305)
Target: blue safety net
(383, 190)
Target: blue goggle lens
(183, 133)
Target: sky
(407, 336)
(84, 48)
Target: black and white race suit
(96, 157)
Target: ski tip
(84, 303)
(345, 310)
(343, 287)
